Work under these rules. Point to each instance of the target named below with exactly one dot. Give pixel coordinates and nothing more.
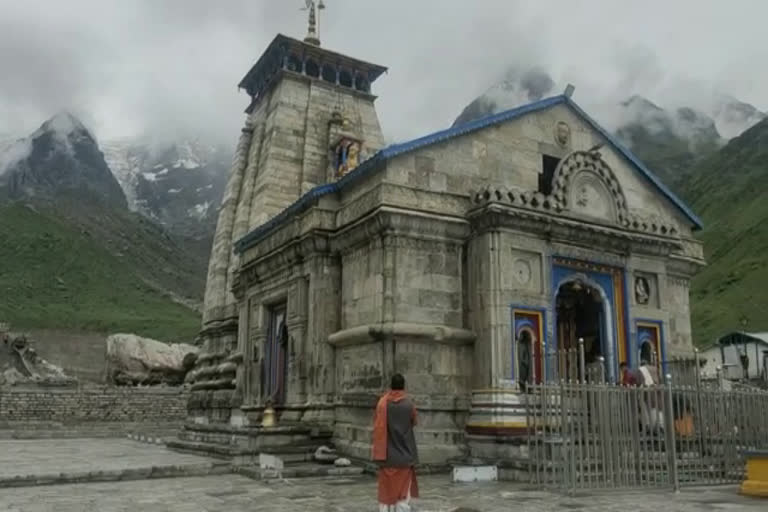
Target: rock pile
(20, 364)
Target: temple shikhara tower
(461, 259)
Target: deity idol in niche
(347, 156)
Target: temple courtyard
(29, 470)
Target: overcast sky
(171, 66)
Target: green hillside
(97, 271)
(729, 191)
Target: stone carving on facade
(591, 198)
(597, 195)
(562, 134)
(642, 290)
(537, 214)
(581, 171)
(522, 271)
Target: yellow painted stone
(756, 483)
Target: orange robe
(395, 484)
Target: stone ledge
(85, 430)
(254, 431)
(298, 471)
(145, 473)
(373, 333)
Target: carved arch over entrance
(591, 319)
(584, 183)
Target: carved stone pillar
(256, 339)
(323, 319)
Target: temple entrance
(274, 369)
(581, 314)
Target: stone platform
(64, 461)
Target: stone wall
(92, 406)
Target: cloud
(170, 68)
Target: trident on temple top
(313, 32)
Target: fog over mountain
(169, 69)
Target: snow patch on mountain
(200, 211)
(65, 128)
(186, 164)
(60, 158)
(684, 123)
(173, 183)
(733, 117)
(13, 152)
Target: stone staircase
(294, 445)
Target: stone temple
(339, 261)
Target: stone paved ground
(239, 494)
(234, 493)
(51, 456)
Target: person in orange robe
(394, 448)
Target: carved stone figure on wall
(524, 358)
(562, 134)
(642, 290)
(583, 197)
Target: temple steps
(293, 444)
(213, 450)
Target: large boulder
(132, 360)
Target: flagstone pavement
(233, 493)
(236, 493)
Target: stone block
(468, 474)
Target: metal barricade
(602, 436)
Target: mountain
(727, 190)
(733, 117)
(75, 257)
(60, 157)
(669, 142)
(518, 87)
(94, 269)
(179, 185)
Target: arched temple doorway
(582, 311)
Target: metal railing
(597, 435)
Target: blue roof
(382, 156)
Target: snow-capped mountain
(179, 185)
(61, 158)
(669, 139)
(691, 126)
(733, 117)
(729, 116)
(516, 88)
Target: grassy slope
(670, 156)
(100, 271)
(729, 190)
